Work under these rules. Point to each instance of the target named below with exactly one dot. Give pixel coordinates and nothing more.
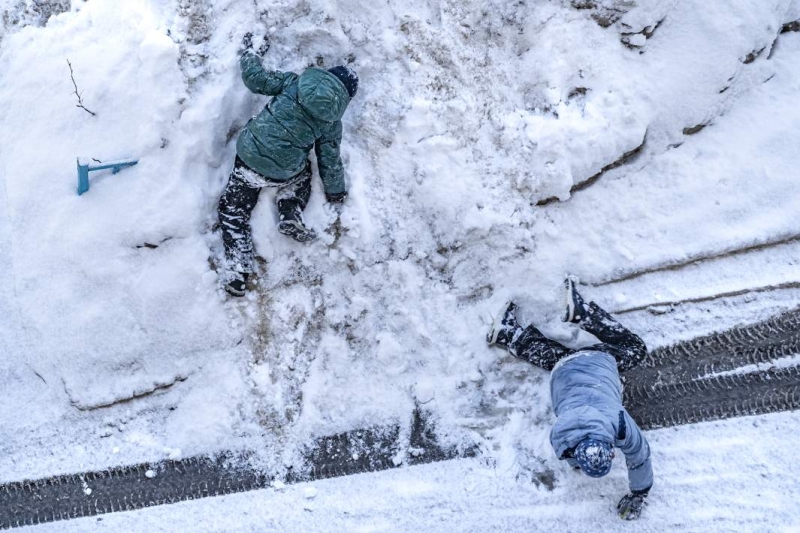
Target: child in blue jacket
(586, 393)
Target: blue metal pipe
(84, 168)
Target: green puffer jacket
(306, 111)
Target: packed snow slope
(117, 343)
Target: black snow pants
(240, 198)
(627, 348)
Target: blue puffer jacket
(587, 399)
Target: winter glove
(630, 506)
(247, 43)
(264, 47)
(336, 198)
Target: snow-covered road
(710, 477)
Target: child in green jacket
(272, 151)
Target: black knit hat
(348, 77)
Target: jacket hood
(577, 424)
(322, 95)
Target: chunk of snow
(638, 39)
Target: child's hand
(264, 47)
(336, 203)
(247, 45)
(630, 506)
(247, 42)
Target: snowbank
(116, 335)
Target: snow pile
(111, 296)
(468, 114)
(20, 13)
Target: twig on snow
(76, 93)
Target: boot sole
(300, 235)
(491, 337)
(234, 292)
(569, 285)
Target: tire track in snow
(713, 362)
(729, 397)
(735, 347)
(677, 384)
(130, 488)
(673, 396)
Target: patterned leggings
(237, 204)
(626, 347)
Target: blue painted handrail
(85, 167)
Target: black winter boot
(236, 287)
(291, 222)
(576, 308)
(504, 326)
